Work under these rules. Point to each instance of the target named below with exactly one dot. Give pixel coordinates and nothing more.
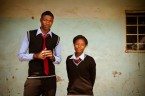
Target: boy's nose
(79, 46)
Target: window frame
(134, 14)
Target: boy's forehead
(80, 40)
(47, 17)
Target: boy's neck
(44, 31)
(77, 54)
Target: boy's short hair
(47, 13)
(80, 37)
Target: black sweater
(81, 77)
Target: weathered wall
(101, 21)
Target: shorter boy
(81, 69)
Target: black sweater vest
(36, 66)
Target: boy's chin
(78, 52)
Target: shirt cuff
(57, 60)
(31, 56)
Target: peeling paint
(115, 73)
(58, 79)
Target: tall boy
(44, 51)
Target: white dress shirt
(23, 55)
(82, 57)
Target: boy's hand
(43, 54)
(48, 53)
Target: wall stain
(58, 79)
(116, 73)
(32, 17)
(18, 93)
(13, 77)
(139, 65)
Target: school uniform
(81, 75)
(38, 83)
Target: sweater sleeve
(92, 71)
(67, 68)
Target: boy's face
(46, 22)
(79, 46)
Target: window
(135, 31)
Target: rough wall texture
(101, 21)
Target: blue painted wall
(118, 73)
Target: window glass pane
(131, 20)
(141, 20)
(131, 46)
(131, 39)
(131, 29)
(141, 46)
(141, 29)
(142, 39)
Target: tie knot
(77, 60)
(44, 36)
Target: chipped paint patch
(116, 73)
(58, 79)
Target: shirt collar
(82, 56)
(40, 32)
